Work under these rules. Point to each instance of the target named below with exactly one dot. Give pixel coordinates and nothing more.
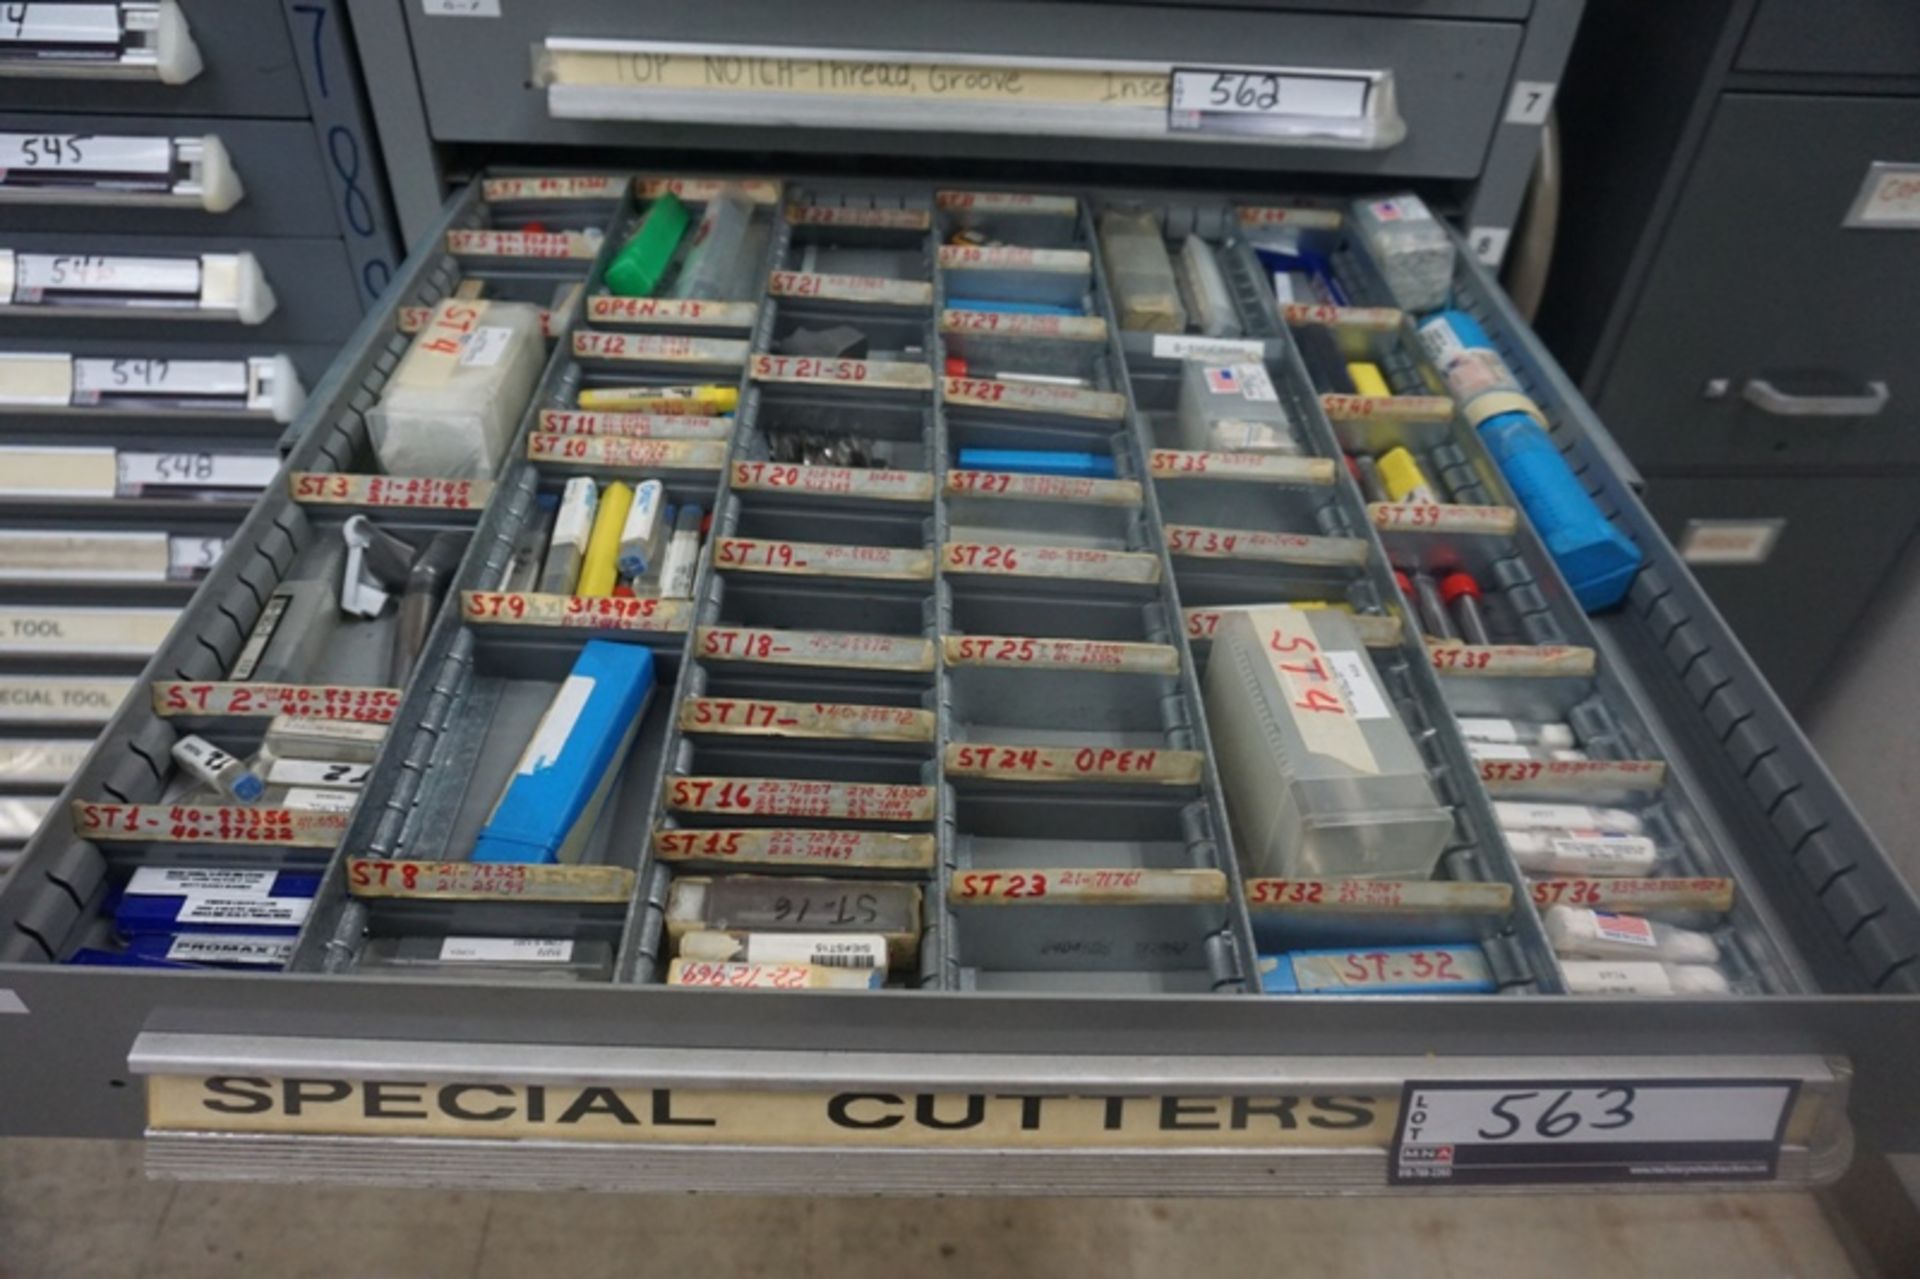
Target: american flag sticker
(1223, 381)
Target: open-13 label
(1526, 1132)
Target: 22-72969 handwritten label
(1529, 1132)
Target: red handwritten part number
(724, 643)
(724, 711)
(1310, 677)
(981, 481)
(771, 474)
(616, 608)
(1287, 892)
(974, 555)
(496, 604)
(1460, 657)
(975, 884)
(1207, 541)
(1378, 966)
(1003, 758)
(1004, 649)
(1510, 770)
(703, 843)
(745, 554)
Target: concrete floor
(83, 1210)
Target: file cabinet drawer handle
(1769, 398)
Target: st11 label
(1567, 1132)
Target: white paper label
(317, 772)
(484, 347)
(83, 153)
(1890, 197)
(1230, 91)
(60, 24)
(1530, 101)
(77, 699)
(1179, 346)
(175, 881)
(512, 950)
(1355, 673)
(1490, 243)
(285, 911)
(556, 726)
(189, 555)
(196, 470)
(93, 378)
(308, 799)
(37, 273)
(213, 948)
(1730, 541)
(461, 8)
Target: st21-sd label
(1563, 1132)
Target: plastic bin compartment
(1512, 607)
(502, 708)
(881, 550)
(806, 710)
(1074, 363)
(845, 629)
(810, 336)
(867, 256)
(544, 237)
(841, 434)
(1097, 893)
(1218, 281)
(996, 256)
(334, 618)
(112, 551)
(1070, 487)
(1209, 593)
(680, 249)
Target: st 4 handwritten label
(408, 492)
(814, 648)
(1087, 886)
(747, 717)
(1022, 560)
(1113, 656)
(316, 701)
(793, 797)
(815, 559)
(1706, 893)
(574, 612)
(833, 481)
(1496, 660)
(807, 847)
(487, 881)
(1530, 1132)
(1136, 764)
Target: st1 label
(1590, 1131)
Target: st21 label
(1530, 1132)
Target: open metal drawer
(1118, 1042)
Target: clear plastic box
(453, 404)
(1322, 780)
(1232, 407)
(1140, 273)
(1411, 248)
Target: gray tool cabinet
(191, 206)
(968, 706)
